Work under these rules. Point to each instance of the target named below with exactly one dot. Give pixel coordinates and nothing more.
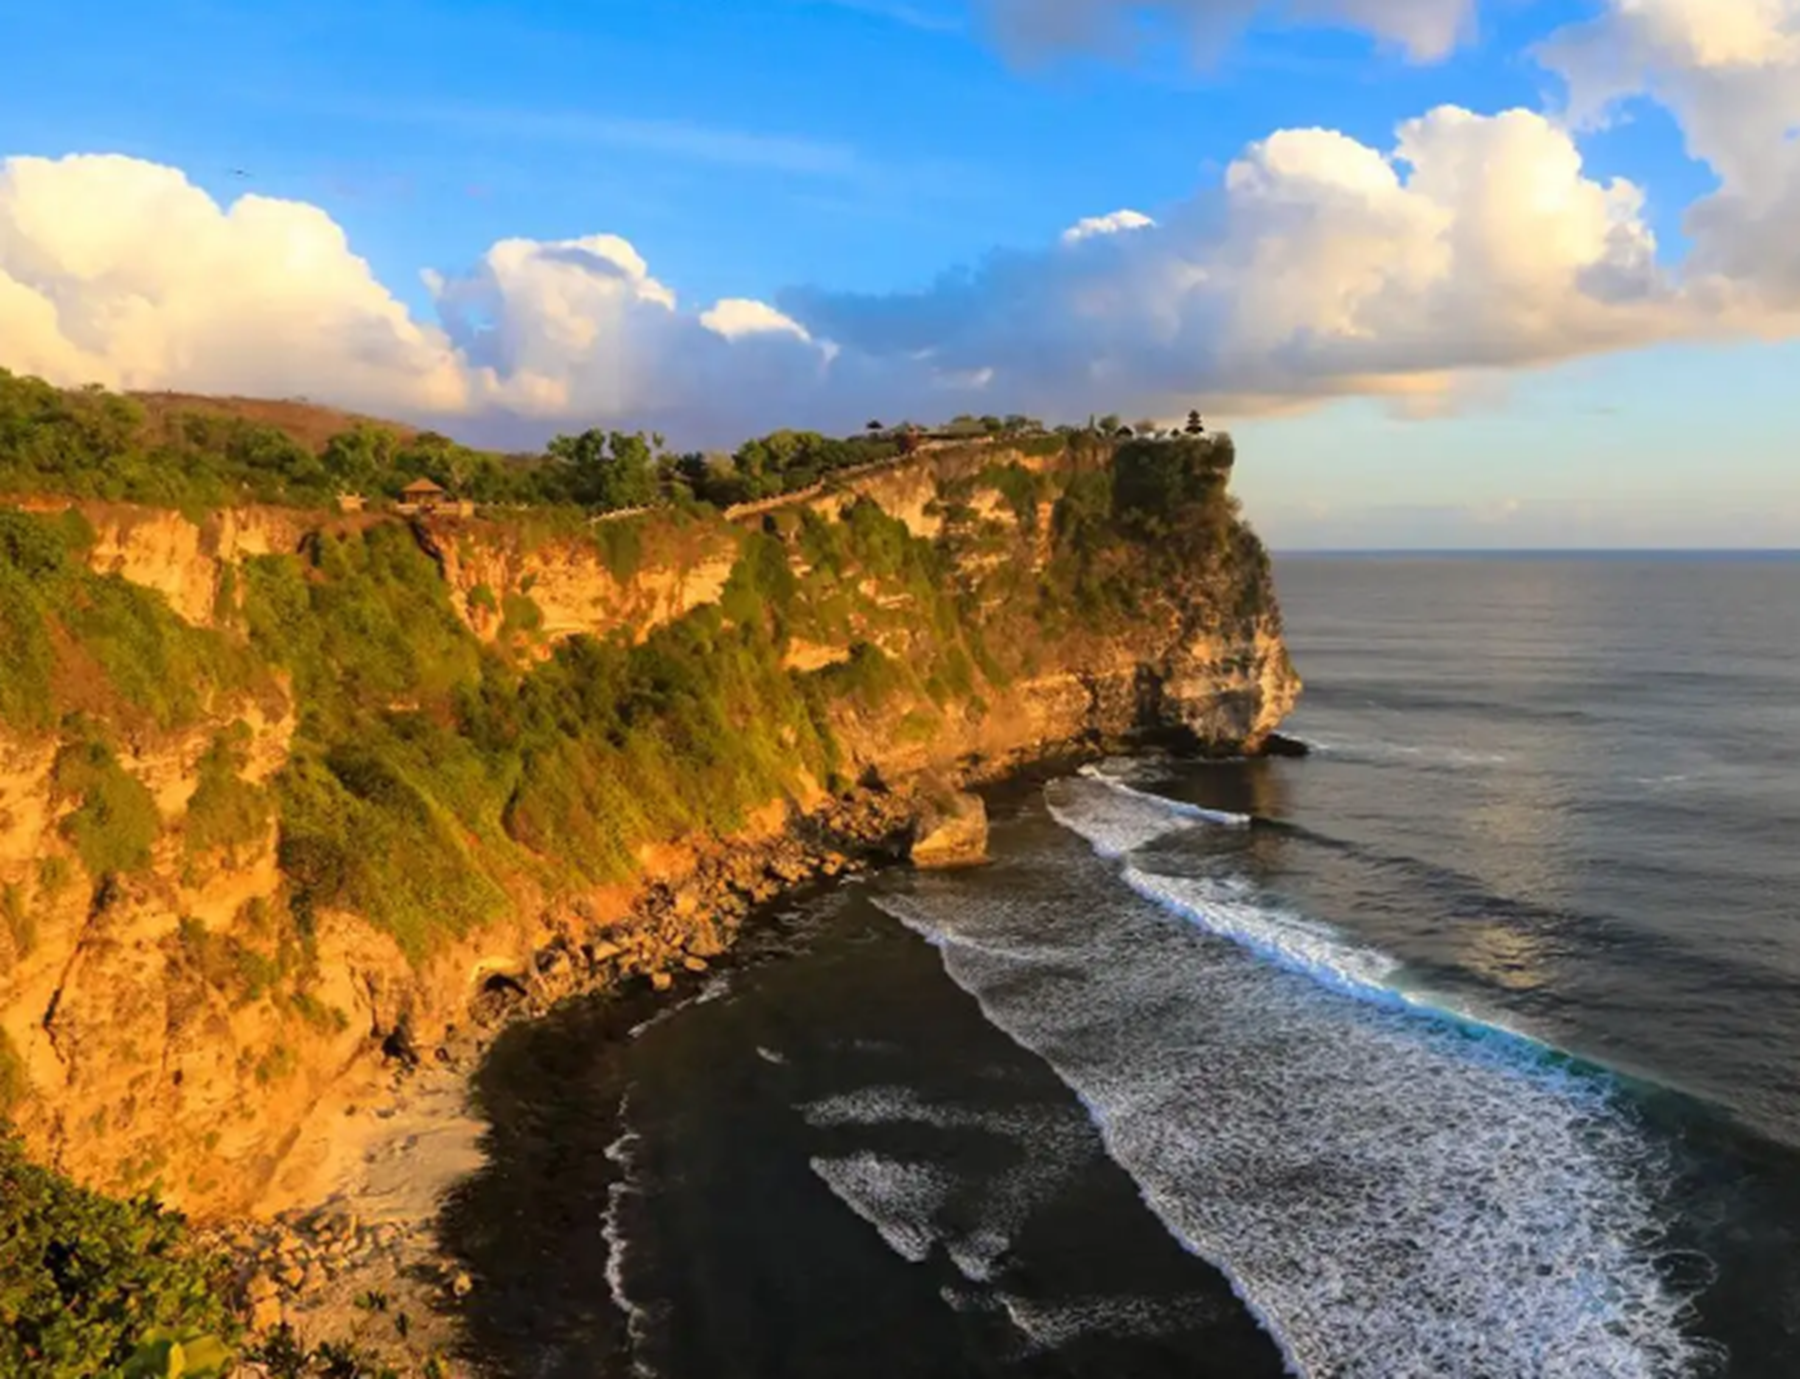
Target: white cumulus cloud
(119, 271)
(1319, 265)
(1089, 226)
(1322, 266)
(1729, 71)
(122, 272)
(736, 317)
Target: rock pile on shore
(683, 926)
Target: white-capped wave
(1118, 818)
(715, 989)
(1229, 907)
(1133, 770)
(1388, 1196)
(975, 1214)
(884, 1105)
(1054, 1324)
(1181, 809)
(1283, 936)
(911, 1206)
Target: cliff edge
(285, 794)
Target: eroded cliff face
(581, 587)
(184, 558)
(152, 1019)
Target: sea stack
(951, 830)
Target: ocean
(1464, 1046)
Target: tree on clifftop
(625, 478)
(1195, 427)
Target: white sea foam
(612, 1230)
(1388, 1195)
(990, 1210)
(1136, 770)
(1116, 820)
(1181, 809)
(715, 988)
(1054, 1324)
(884, 1105)
(1224, 907)
(769, 1055)
(1229, 906)
(975, 1216)
(663, 1012)
(900, 1200)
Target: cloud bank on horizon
(1316, 267)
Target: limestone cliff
(377, 776)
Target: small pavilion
(421, 495)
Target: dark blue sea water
(1465, 1046)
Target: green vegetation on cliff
(430, 774)
(12, 1075)
(429, 770)
(113, 822)
(72, 640)
(94, 1286)
(226, 813)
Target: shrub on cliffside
(226, 812)
(114, 821)
(73, 639)
(88, 1284)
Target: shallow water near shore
(1462, 1047)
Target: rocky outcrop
(183, 558)
(555, 585)
(951, 829)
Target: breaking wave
(1227, 906)
(1117, 818)
(1179, 808)
(1388, 1195)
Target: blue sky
(749, 149)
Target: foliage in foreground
(94, 1286)
(282, 1356)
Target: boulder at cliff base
(951, 830)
